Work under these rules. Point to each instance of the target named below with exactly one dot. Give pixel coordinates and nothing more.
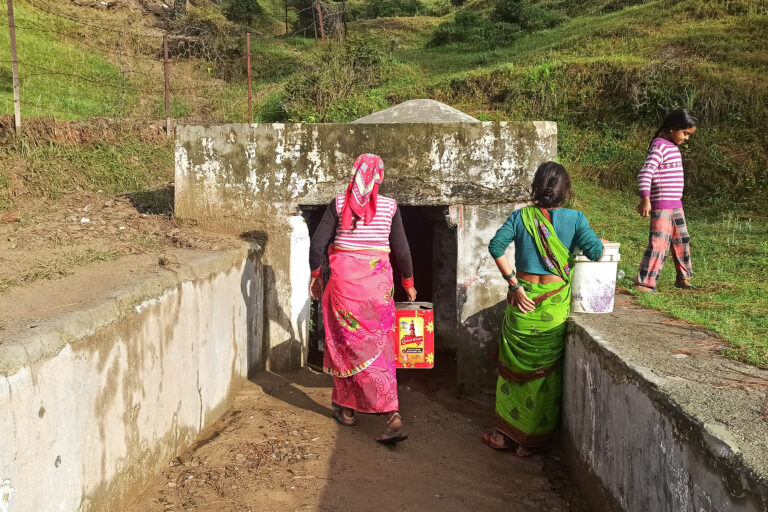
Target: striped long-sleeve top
(661, 177)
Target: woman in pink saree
(358, 304)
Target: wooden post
(320, 20)
(15, 66)
(314, 24)
(344, 14)
(167, 87)
(250, 102)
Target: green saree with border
(529, 387)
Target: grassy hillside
(605, 70)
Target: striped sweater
(661, 177)
(367, 236)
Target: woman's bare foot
(684, 283)
(643, 289)
(393, 434)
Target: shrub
(335, 90)
(385, 9)
(207, 34)
(468, 26)
(529, 17)
(244, 10)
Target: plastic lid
(610, 253)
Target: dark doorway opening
(433, 245)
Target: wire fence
(67, 67)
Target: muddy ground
(277, 449)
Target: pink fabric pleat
(359, 315)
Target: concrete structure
(654, 419)
(98, 396)
(418, 111)
(257, 178)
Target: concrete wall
(91, 418)
(631, 447)
(481, 293)
(253, 178)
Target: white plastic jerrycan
(593, 283)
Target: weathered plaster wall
(91, 422)
(632, 448)
(252, 179)
(481, 293)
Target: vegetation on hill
(605, 70)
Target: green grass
(52, 170)
(729, 251)
(55, 90)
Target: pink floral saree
(359, 314)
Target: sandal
(487, 439)
(685, 285)
(644, 289)
(343, 419)
(390, 437)
(522, 451)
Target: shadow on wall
(286, 355)
(252, 289)
(481, 331)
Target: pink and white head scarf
(360, 200)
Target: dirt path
(277, 449)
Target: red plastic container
(414, 335)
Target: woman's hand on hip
(316, 288)
(521, 300)
(411, 293)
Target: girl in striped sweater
(661, 187)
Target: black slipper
(392, 437)
(337, 415)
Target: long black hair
(679, 119)
(551, 186)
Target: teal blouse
(572, 229)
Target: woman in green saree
(529, 387)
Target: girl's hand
(411, 293)
(316, 288)
(644, 208)
(520, 299)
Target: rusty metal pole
(167, 87)
(250, 100)
(15, 66)
(320, 20)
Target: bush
(384, 9)
(529, 17)
(337, 90)
(207, 34)
(244, 10)
(468, 26)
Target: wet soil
(278, 449)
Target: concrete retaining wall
(632, 447)
(96, 403)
